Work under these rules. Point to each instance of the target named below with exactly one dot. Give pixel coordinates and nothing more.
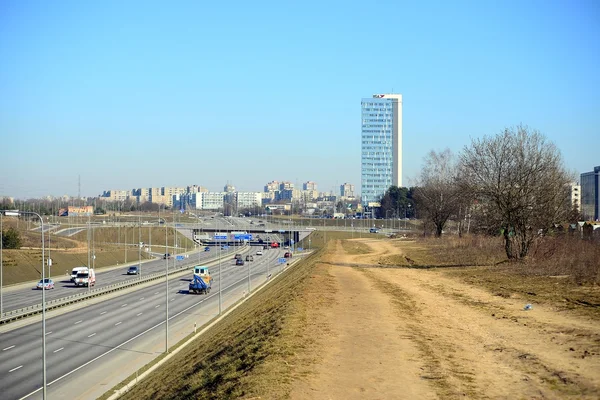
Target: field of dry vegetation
(427, 318)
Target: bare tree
(438, 194)
(520, 183)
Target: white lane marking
(14, 369)
(78, 322)
(120, 345)
(8, 348)
(142, 298)
(156, 292)
(139, 314)
(93, 334)
(56, 351)
(118, 323)
(172, 299)
(124, 305)
(103, 312)
(47, 333)
(156, 306)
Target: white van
(76, 271)
(86, 278)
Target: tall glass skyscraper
(381, 148)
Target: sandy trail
(398, 333)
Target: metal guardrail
(14, 315)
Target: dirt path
(406, 333)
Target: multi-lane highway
(91, 338)
(20, 297)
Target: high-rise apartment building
(310, 185)
(347, 190)
(381, 147)
(590, 194)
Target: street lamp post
(220, 281)
(167, 285)
(140, 245)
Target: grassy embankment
(256, 352)
(24, 265)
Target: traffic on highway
(119, 334)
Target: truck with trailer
(201, 281)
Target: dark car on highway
(167, 256)
(133, 270)
(239, 261)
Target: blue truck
(201, 281)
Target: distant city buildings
(590, 194)
(199, 198)
(381, 145)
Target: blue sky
(144, 94)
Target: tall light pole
(220, 281)
(167, 284)
(89, 263)
(140, 244)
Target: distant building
(228, 188)
(196, 189)
(248, 200)
(381, 145)
(347, 190)
(590, 196)
(116, 195)
(286, 186)
(210, 200)
(310, 185)
(272, 186)
(576, 196)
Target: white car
(259, 253)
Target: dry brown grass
(563, 271)
(452, 251)
(353, 247)
(250, 353)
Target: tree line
(514, 184)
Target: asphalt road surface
(94, 336)
(20, 297)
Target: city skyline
(99, 91)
